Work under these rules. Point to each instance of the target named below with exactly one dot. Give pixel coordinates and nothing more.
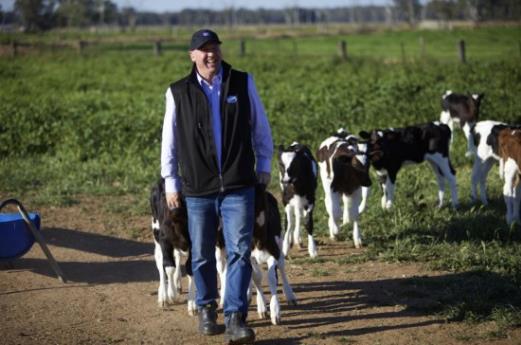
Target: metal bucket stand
(38, 237)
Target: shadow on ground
(333, 306)
(121, 260)
(95, 243)
(340, 304)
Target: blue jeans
(236, 208)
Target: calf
(389, 149)
(509, 149)
(171, 239)
(344, 170)
(483, 136)
(462, 109)
(266, 248)
(493, 142)
(298, 182)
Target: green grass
(489, 43)
(317, 272)
(378, 42)
(73, 125)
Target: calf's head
(474, 104)
(293, 159)
(376, 140)
(350, 167)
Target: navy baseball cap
(201, 37)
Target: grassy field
(75, 125)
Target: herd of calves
(343, 161)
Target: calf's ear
(322, 154)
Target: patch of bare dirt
(111, 296)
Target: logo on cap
(206, 33)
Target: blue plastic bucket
(15, 238)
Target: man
(216, 145)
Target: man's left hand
(264, 178)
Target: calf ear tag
(231, 99)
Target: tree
(128, 17)
(408, 10)
(76, 12)
(105, 12)
(443, 9)
(36, 15)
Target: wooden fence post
(342, 50)
(80, 46)
(14, 48)
(157, 48)
(242, 47)
(461, 49)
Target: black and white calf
(172, 241)
(484, 138)
(344, 171)
(267, 249)
(298, 181)
(390, 149)
(462, 109)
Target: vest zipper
(221, 182)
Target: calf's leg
(289, 228)
(510, 174)
(312, 247)
(353, 210)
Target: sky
(177, 5)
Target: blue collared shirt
(260, 129)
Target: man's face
(207, 59)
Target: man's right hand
(173, 200)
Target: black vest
(195, 143)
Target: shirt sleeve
(168, 147)
(261, 132)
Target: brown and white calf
(298, 171)
(344, 171)
(172, 242)
(484, 138)
(266, 248)
(461, 109)
(509, 149)
(390, 149)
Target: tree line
(39, 15)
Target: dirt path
(111, 295)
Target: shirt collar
(216, 79)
